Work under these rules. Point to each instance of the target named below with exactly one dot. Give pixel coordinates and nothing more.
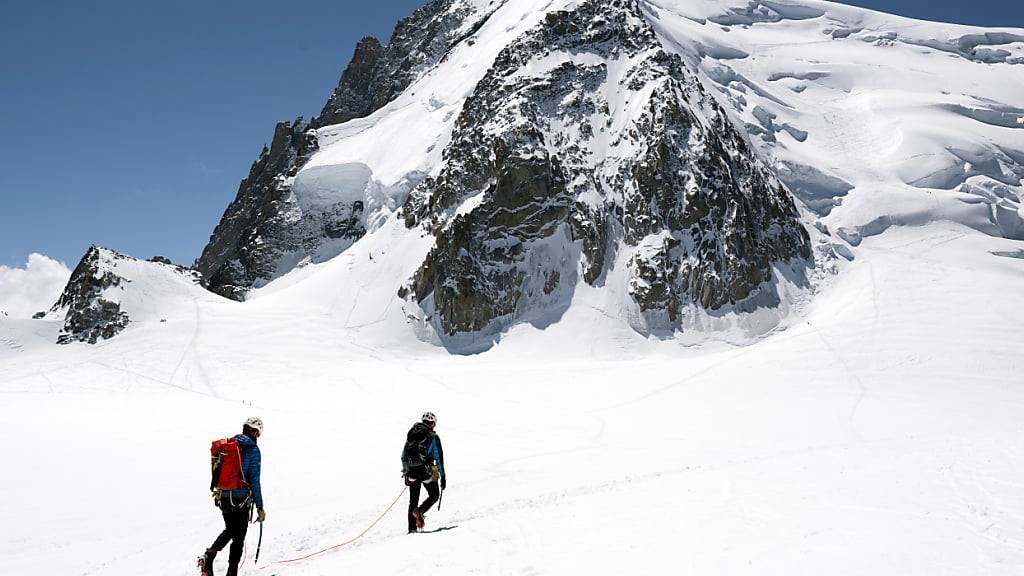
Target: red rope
(346, 543)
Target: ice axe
(259, 545)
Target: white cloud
(34, 288)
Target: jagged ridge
(265, 231)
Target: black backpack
(414, 454)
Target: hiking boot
(419, 517)
(206, 562)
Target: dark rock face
(709, 219)
(264, 231)
(586, 140)
(90, 317)
(377, 74)
(91, 301)
(254, 233)
(353, 98)
(476, 272)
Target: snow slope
(872, 429)
(881, 435)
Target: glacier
(866, 422)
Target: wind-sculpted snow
(987, 47)
(585, 140)
(764, 11)
(872, 120)
(992, 113)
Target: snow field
(872, 429)
(880, 434)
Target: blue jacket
(434, 453)
(250, 470)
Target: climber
(235, 485)
(423, 465)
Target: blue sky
(129, 124)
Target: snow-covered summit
(870, 120)
(108, 291)
(279, 220)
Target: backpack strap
(241, 463)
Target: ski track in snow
(862, 390)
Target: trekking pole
(440, 497)
(259, 545)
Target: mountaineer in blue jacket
(423, 465)
(236, 489)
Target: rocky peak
(93, 299)
(353, 98)
(90, 315)
(250, 238)
(266, 231)
(377, 74)
(588, 146)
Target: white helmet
(255, 423)
(429, 417)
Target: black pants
(237, 513)
(433, 492)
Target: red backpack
(226, 465)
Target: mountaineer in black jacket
(423, 464)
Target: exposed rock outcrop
(91, 315)
(257, 227)
(93, 301)
(354, 95)
(377, 74)
(586, 141)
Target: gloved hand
(260, 515)
(444, 483)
